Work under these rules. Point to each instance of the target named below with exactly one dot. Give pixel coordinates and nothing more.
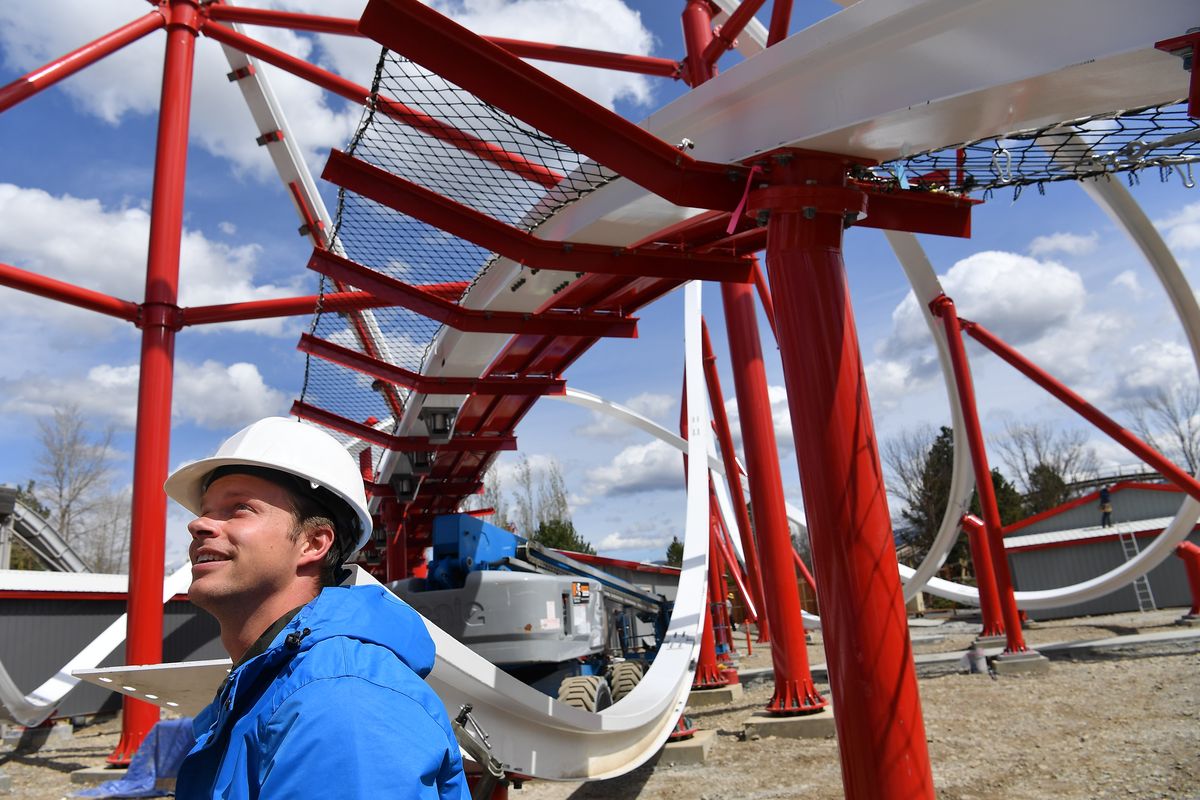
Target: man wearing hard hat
(327, 696)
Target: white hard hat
(288, 446)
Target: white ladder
(1141, 585)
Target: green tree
(921, 464)
(675, 552)
(1046, 490)
(1009, 502)
(561, 535)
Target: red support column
(794, 689)
(708, 673)
(881, 734)
(159, 323)
(1190, 555)
(943, 307)
(697, 35)
(985, 576)
(738, 498)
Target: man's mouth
(207, 558)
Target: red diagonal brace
(547, 323)
(461, 443)
(500, 78)
(524, 248)
(427, 384)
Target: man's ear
(315, 542)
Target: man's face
(242, 550)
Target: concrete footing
(1189, 621)
(809, 726)
(1031, 662)
(722, 695)
(688, 752)
(27, 740)
(5, 784)
(96, 774)
(985, 642)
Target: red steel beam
(781, 18)
(603, 59)
(500, 78)
(724, 37)
(296, 306)
(524, 248)
(1187, 45)
(25, 281)
(30, 84)
(402, 444)
(144, 627)
(338, 85)
(1083, 408)
(427, 384)
(548, 323)
(942, 306)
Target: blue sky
(1050, 272)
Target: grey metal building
(1066, 545)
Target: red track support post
(697, 36)
(708, 673)
(881, 733)
(159, 323)
(985, 576)
(1189, 553)
(943, 307)
(729, 456)
(794, 688)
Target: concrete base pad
(689, 751)
(809, 726)
(723, 695)
(990, 641)
(1189, 621)
(96, 775)
(5, 784)
(1027, 663)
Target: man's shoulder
(353, 661)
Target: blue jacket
(337, 706)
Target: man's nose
(201, 527)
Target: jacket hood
(369, 614)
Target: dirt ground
(1110, 724)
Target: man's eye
(242, 507)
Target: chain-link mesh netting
(1161, 137)
(464, 149)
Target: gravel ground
(1115, 724)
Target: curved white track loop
(1119, 204)
(36, 707)
(551, 740)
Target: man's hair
(311, 507)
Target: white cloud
(1033, 304)
(655, 406)
(1128, 281)
(106, 251)
(638, 468)
(1155, 365)
(627, 541)
(1071, 244)
(1182, 229)
(209, 394)
(578, 23)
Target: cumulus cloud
(106, 251)
(209, 394)
(1155, 365)
(780, 418)
(1038, 305)
(1182, 229)
(654, 406)
(1071, 244)
(1128, 281)
(632, 541)
(638, 468)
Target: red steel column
(708, 674)
(733, 479)
(697, 34)
(881, 734)
(1189, 553)
(985, 576)
(943, 307)
(159, 323)
(794, 689)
